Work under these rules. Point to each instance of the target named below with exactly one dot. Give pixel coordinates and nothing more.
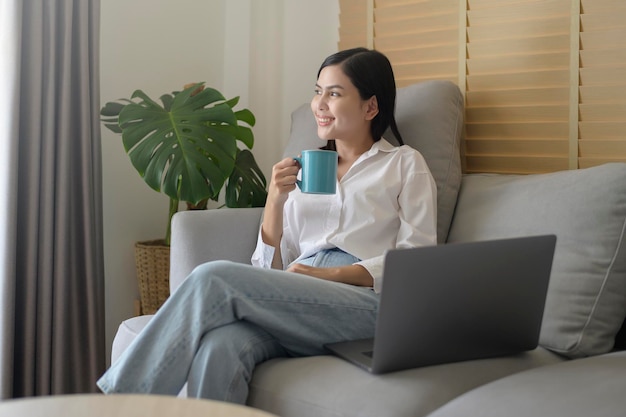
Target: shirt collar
(381, 146)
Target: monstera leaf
(187, 147)
(246, 185)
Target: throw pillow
(586, 210)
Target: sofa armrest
(209, 235)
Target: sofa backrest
(430, 119)
(586, 210)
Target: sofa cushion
(325, 386)
(580, 388)
(586, 210)
(430, 119)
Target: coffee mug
(319, 171)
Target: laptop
(456, 302)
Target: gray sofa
(577, 370)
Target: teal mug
(319, 171)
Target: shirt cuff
(375, 267)
(263, 254)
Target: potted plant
(187, 148)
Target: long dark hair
(371, 73)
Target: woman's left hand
(349, 274)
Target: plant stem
(173, 210)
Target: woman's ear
(371, 109)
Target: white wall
(266, 52)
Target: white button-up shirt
(386, 200)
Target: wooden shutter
(602, 82)
(518, 86)
(355, 26)
(420, 38)
(544, 80)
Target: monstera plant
(187, 146)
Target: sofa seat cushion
(586, 210)
(578, 388)
(327, 386)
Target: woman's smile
(324, 121)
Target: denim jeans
(227, 317)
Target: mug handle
(299, 161)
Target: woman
(226, 317)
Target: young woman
(317, 268)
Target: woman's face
(338, 108)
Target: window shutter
(354, 23)
(544, 80)
(602, 82)
(518, 86)
(420, 38)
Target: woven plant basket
(152, 259)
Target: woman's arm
(283, 181)
(348, 274)
(271, 231)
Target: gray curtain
(52, 274)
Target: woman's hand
(349, 274)
(283, 181)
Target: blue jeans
(227, 317)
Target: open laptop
(456, 302)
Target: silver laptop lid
(461, 301)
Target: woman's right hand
(283, 180)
